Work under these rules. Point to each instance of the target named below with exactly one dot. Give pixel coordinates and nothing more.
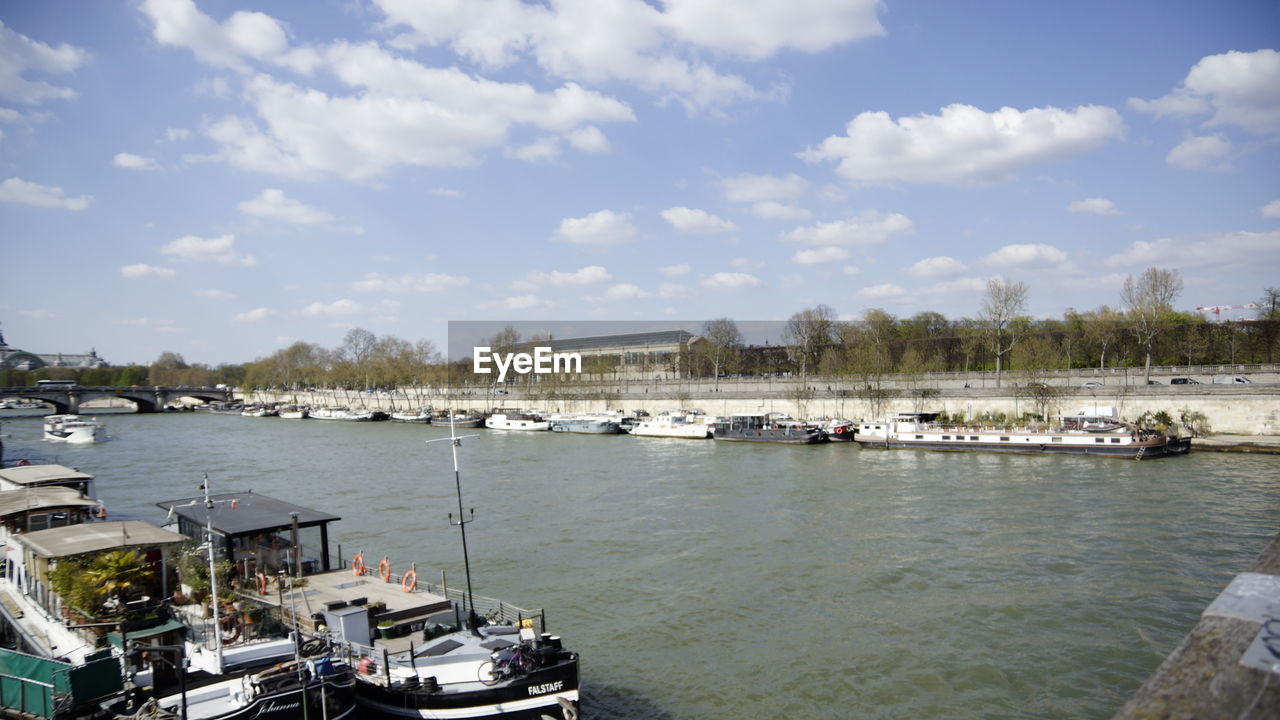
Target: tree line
(1143, 330)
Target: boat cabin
(41, 508)
(33, 476)
(258, 533)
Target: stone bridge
(149, 399)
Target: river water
(729, 580)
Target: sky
(221, 178)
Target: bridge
(149, 399)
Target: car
(1092, 383)
(1153, 382)
(1183, 381)
(1231, 380)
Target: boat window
(944, 437)
(1099, 440)
(1056, 439)
(918, 437)
(971, 437)
(1003, 439)
(1114, 440)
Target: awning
(167, 626)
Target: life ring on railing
(409, 582)
(24, 462)
(384, 570)
(102, 512)
(357, 564)
(839, 429)
(262, 583)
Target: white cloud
(604, 227)
(1270, 210)
(272, 203)
(962, 143)
(1200, 153)
(1244, 250)
(818, 256)
(959, 285)
(851, 270)
(215, 295)
(142, 270)
(245, 35)
(410, 283)
(544, 149)
(749, 188)
(883, 291)
(254, 315)
(20, 55)
(675, 270)
(940, 266)
(221, 250)
(346, 308)
(399, 113)
(625, 291)
(1094, 206)
(745, 263)
(176, 134)
(134, 162)
(730, 281)
(696, 221)
(868, 228)
(445, 192)
(516, 302)
(582, 277)
(760, 29)
(771, 210)
(1241, 88)
(1021, 255)
(588, 139)
(21, 192)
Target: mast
(213, 575)
(473, 621)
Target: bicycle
(506, 664)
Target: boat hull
(532, 696)
(332, 697)
(587, 428)
(789, 436)
(1047, 448)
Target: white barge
(1094, 431)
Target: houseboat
(1092, 431)
(761, 428)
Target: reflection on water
(704, 580)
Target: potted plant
(385, 628)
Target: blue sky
(221, 179)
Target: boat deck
(343, 588)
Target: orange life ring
(357, 564)
(410, 581)
(839, 430)
(23, 462)
(262, 583)
(384, 570)
(102, 512)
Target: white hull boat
(500, 421)
(73, 429)
(673, 426)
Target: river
(729, 580)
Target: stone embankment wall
(1235, 409)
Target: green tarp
(43, 687)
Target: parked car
(1231, 380)
(1183, 381)
(1092, 383)
(1153, 382)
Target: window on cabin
(1004, 439)
(1099, 440)
(1115, 440)
(973, 437)
(946, 437)
(1057, 439)
(919, 437)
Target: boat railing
(497, 612)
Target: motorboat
(293, 412)
(587, 425)
(73, 429)
(673, 425)
(341, 412)
(458, 419)
(422, 415)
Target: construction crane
(1217, 309)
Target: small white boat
(458, 420)
(516, 421)
(673, 426)
(73, 429)
(340, 413)
(422, 415)
(293, 412)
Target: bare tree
(1148, 302)
(807, 334)
(1101, 329)
(724, 339)
(1003, 303)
